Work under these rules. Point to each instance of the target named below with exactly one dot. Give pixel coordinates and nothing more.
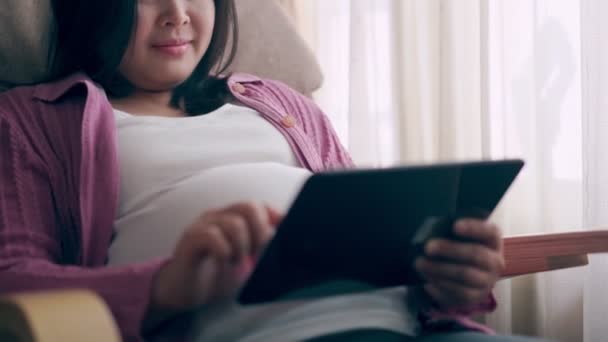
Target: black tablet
(369, 225)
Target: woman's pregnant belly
(150, 226)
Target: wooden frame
(528, 254)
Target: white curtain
(595, 142)
(427, 80)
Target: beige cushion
(24, 40)
(269, 45)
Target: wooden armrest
(545, 252)
(67, 316)
(521, 267)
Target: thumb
(274, 216)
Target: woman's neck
(147, 103)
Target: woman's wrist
(155, 317)
(159, 311)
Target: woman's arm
(126, 290)
(30, 247)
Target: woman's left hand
(462, 274)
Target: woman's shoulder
(48, 90)
(279, 96)
(275, 94)
(265, 86)
(22, 107)
(297, 110)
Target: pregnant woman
(147, 176)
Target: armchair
(80, 315)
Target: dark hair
(93, 36)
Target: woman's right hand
(210, 255)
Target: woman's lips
(172, 49)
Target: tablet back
(368, 225)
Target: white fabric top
(173, 169)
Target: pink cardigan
(59, 183)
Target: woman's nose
(175, 14)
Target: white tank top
(174, 169)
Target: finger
(473, 254)
(441, 298)
(274, 216)
(203, 241)
(261, 229)
(485, 232)
(466, 276)
(450, 295)
(236, 230)
(209, 273)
